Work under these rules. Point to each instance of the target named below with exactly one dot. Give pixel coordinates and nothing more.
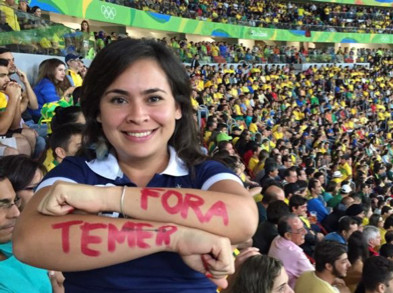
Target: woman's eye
(154, 99)
(118, 100)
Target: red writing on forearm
(65, 233)
(175, 202)
(164, 233)
(134, 234)
(87, 238)
(132, 231)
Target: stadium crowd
(87, 43)
(275, 14)
(313, 149)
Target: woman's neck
(142, 171)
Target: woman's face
(27, 193)
(138, 112)
(85, 26)
(280, 284)
(38, 12)
(60, 72)
(23, 6)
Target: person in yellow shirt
(345, 167)
(253, 128)
(74, 67)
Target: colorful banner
(107, 12)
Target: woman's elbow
(248, 221)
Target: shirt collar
(109, 166)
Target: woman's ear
(178, 112)
(98, 118)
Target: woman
(24, 175)
(357, 254)
(261, 274)
(52, 85)
(136, 101)
(88, 42)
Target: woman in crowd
(357, 254)
(52, 84)
(24, 174)
(261, 274)
(185, 210)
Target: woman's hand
(68, 92)
(206, 253)
(64, 197)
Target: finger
(54, 208)
(218, 267)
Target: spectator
(15, 276)
(24, 174)
(357, 254)
(267, 230)
(376, 276)
(52, 85)
(331, 262)
(152, 83)
(372, 238)
(316, 204)
(10, 117)
(346, 226)
(74, 65)
(286, 247)
(261, 273)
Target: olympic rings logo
(108, 12)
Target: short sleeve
(211, 172)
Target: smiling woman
(171, 213)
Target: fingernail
(208, 275)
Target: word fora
(136, 235)
(182, 203)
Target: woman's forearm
(225, 214)
(81, 242)
(78, 242)
(219, 213)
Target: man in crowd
(74, 67)
(372, 237)
(285, 247)
(15, 276)
(346, 226)
(316, 204)
(331, 265)
(377, 276)
(10, 116)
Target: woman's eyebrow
(116, 91)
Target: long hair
(88, 26)
(47, 69)
(257, 275)
(110, 63)
(357, 249)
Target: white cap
(346, 188)
(337, 174)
